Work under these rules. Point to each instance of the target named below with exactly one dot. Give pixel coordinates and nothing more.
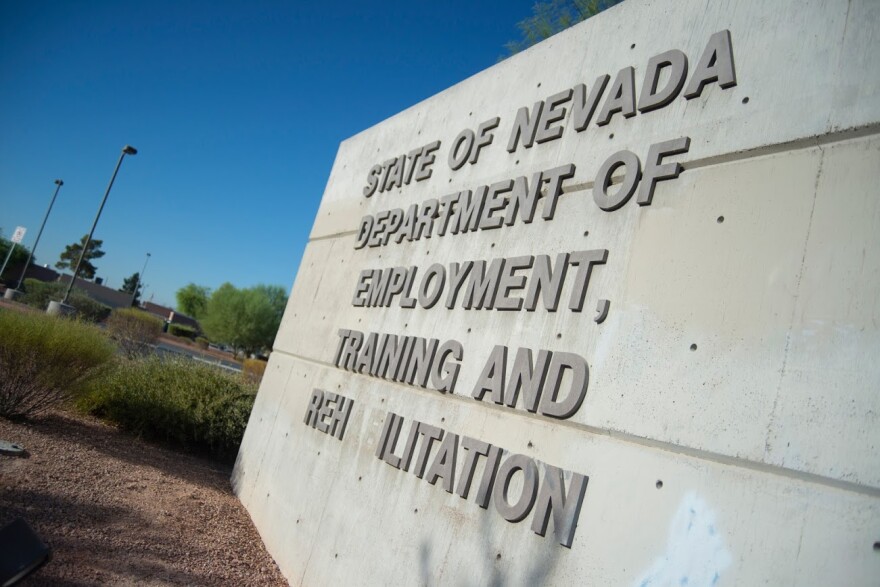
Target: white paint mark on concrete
(695, 553)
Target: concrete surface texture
(699, 408)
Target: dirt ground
(119, 511)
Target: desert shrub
(253, 369)
(182, 331)
(38, 294)
(133, 330)
(45, 360)
(178, 400)
(202, 343)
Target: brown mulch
(119, 511)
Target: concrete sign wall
(607, 313)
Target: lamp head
(129, 150)
(59, 182)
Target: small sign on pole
(18, 235)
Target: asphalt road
(167, 349)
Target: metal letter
(584, 261)
(430, 434)
(314, 408)
(655, 172)
(492, 377)
(576, 393)
(444, 462)
(716, 64)
(525, 127)
(527, 378)
(436, 273)
(632, 172)
(551, 115)
(474, 449)
(391, 442)
(517, 511)
(446, 383)
(566, 508)
(510, 282)
(484, 139)
(458, 156)
(621, 98)
(651, 98)
(583, 106)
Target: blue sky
(236, 108)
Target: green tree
(246, 319)
(192, 300)
(553, 16)
(16, 261)
(130, 283)
(71, 255)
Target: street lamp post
(58, 184)
(140, 278)
(126, 150)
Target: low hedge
(180, 401)
(46, 360)
(133, 330)
(38, 294)
(182, 331)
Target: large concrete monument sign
(607, 313)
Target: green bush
(179, 401)
(253, 369)
(182, 331)
(133, 330)
(45, 360)
(38, 294)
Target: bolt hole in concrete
(530, 444)
(336, 555)
(539, 84)
(359, 478)
(498, 556)
(586, 233)
(611, 136)
(746, 100)
(694, 347)
(633, 46)
(469, 329)
(415, 511)
(659, 484)
(558, 335)
(720, 220)
(877, 546)
(516, 162)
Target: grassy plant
(45, 360)
(133, 330)
(175, 400)
(253, 369)
(182, 331)
(38, 294)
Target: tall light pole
(58, 184)
(140, 278)
(126, 150)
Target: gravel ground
(119, 511)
